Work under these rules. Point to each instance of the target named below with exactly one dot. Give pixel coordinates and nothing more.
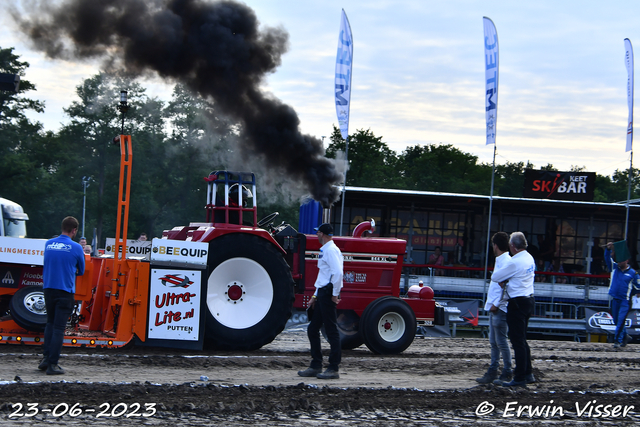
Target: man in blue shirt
(624, 284)
(63, 261)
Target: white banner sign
(491, 78)
(629, 61)
(180, 251)
(344, 62)
(174, 305)
(135, 248)
(22, 251)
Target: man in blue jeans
(516, 278)
(496, 305)
(624, 284)
(63, 261)
(324, 302)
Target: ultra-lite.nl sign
(578, 186)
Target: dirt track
(432, 383)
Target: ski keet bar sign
(577, 186)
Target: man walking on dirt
(323, 304)
(624, 284)
(517, 279)
(63, 260)
(496, 305)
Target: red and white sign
(174, 305)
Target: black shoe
(44, 364)
(329, 374)
(512, 383)
(488, 377)
(530, 379)
(310, 372)
(625, 340)
(54, 370)
(506, 376)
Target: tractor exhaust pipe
(326, 215)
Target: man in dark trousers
(63, 261)
(323, 303)
(517, 279)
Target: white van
(14, 220)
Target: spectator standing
(597, 257)
(63, 260)
(517, 278)
(547, 251)
(624, 284)
(496, 305)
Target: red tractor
(230, 282)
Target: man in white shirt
(496, 305)
(323, 303)
(517, 280)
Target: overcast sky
(418, 75)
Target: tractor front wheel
(388, 326)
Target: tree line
(444, 168)
(176, 144)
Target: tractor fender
(216, 232)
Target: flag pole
(629, 147)
(344, 64)
(486, 257)
(626, 221)
(344, 184)
(491, 56)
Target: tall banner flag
(629, 60)
(491, 77)
(344, 62)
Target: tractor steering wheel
(267, 219)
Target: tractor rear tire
(249, 293)
(388, 326)
(28, 309)
(348, 327)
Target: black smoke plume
(214, 47)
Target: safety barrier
(468, 282)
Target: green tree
(88, 144)
(26, 160)
(615, 188)
(443, 168)
(371, 162)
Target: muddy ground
(431, 383)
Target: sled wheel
(28, 309)
(249, 293)
(389, 326)
(348, 325)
